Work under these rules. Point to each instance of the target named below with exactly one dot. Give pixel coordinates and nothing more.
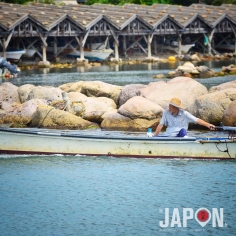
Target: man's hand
(211, 127)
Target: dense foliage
(142, 2)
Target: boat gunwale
(64, 134)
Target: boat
(224, 46)
(71, 142)
(13, 55)
(92, 54)
(29, 52)
(173, 46)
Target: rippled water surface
(56, 195)
(118, 75)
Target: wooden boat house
(126, 28)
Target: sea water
(79, 195)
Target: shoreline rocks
(95, 104)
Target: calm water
(55, 195)
(91, 196)
(118, 75)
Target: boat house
(126, 29)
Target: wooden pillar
(81, 49)
(179, 46)
(116, 51)
(149, 47)
(44, 53)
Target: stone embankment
(188, 69)
(99, 105)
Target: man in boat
(12, 68)
(177, 119)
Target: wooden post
(81, 49)
(44, 53)
(116, 51)
(179, 46)
(149, 46)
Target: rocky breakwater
(98, 105)
(188, 69)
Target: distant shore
(68, 62)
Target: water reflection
(115, 74)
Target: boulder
(76, 96)
(114, 121)
(184, 88)
(211, 106)
(66, 87)
(20, 114)
(9, 93)
(195, 57)
(76, 87)
(24, 91)
(96, 107)
(49, 117)
(140, 107)
(129, 91)
(101, 89)
(47, 93)
(229, 116)
(231, 84)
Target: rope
(45, 117)
(67, 102)
(227, 149)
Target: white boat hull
(96, 55)
(228, 47)
(184, 48)
(17, 141)
(13, 56)
(29, 52)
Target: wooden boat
(29, 52)
(92, 55)
(174, 47)
(65, 142)
(13, 55)
(226, 47)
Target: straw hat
(176, 103)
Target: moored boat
(93, 55)
(66, 142)
(29, 52)
(174, 47)
(13, 55)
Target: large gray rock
(229, 116)
(140, 107)
(20, 114)
(9, 93)
(115, 121)
(184, 88)
(76, 96)
(96, 107)
(66, 87)
(231, 84)
(24, 91)
(212, 106)
(49, 94)
(49, 117)
(129, 91)
(101, 89)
